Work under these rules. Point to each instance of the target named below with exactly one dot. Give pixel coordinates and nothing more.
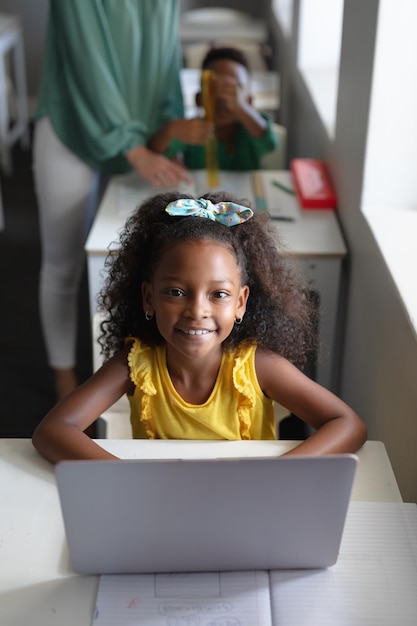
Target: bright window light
(389, 197)
(319, 44)
(283, 10)
(391, 152)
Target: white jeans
(67, 193)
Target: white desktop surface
(37, 587)
(313, 233)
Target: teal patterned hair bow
(227, 213)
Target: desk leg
(323, 275)
(96, 272)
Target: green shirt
(247, 154)
(111, 75)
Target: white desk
(314, 237)
(37, 587)
(11, 51)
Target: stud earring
(148, 315)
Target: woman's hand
(155, 168)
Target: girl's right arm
(60, 435)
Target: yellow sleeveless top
(236, 408)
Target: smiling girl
(207, 324)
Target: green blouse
(247, 153)
(111, 75)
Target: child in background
(243, 134)
(207, 325)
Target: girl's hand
(155, 168)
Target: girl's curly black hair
(279, 313)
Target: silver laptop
(136, 516)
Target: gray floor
(26, 385)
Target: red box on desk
(312, 184)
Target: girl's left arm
(338, 429)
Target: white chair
(11, 45)
(276, 160)
(201, 28)
(255, 53)
(208, 24)
(12, 92)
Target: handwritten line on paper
(186, 584)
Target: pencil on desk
(283, 187)
(283, 218)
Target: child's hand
(233, 104)
(229, 94)
(193, 132)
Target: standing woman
(110, 79)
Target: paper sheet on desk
(237, 183)
(130, 196)
(132, 193)
(374, 581)
(203, 599)
(278, 202)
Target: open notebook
(373, 582)
(139, 516)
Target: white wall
(379, 366)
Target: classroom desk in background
(37, 586)
(314, 237)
